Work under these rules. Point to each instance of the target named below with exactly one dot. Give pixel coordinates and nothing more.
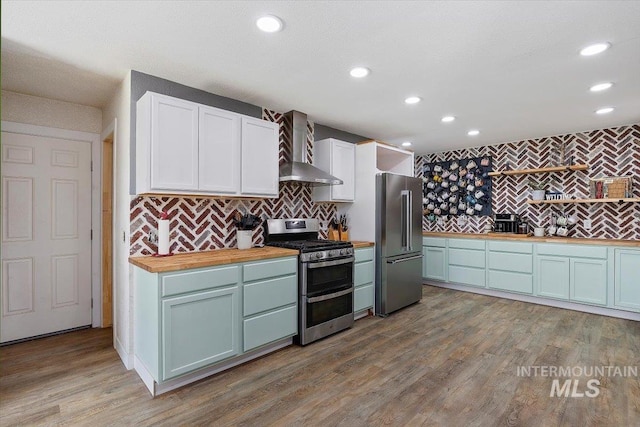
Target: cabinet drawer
(270, 294)
(467, 275)
(271, 268)
(467, 258)
(521, 263)
(363, 298)
(269, 327)
(580, 251)
(364, 254)
(517, 247)
(467, 244)
(434, 241)
(507, 281)
(363, 273)
(181, 283)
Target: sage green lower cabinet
(270, 307)
(434, 258)
(467, 262)
(510, 266)
(627, 279)
(577, 273)
(588, 281)
(199, 329)
(607, 277)
(363, 279)
(190, 320)
(553, 276)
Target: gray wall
(322, 132)
(141, 83)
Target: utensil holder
(244, 239)
(333, 234)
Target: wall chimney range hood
(298, 170)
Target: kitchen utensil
(552, 230)
(538, 231)
(562, 231)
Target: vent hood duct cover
(299, 170)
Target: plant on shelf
(537, 189)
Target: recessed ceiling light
(269, 24)
(605, 110)
(447, 119)
(412, 100)
(406, 144)
(600, 87)
(359, 72)
(595, 49)
(473, 132)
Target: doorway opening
(107, 231)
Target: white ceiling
(508, 68)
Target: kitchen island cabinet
(581, 274)
(192, 323)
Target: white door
(46, 235)
(219, 151)
(259, 157)
(174, 144)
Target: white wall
(33, 110)
(118, 109)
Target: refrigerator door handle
(407, 207)
(405, 218)
(404, 259)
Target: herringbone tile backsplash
(608, 152)
(200, 224)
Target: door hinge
(91, 238)
(91, 165)
(91, 302)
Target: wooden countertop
(358, 244)
(185, 261)
(533, 239)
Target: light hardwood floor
(450, 360)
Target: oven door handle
(330, 296)
(321, 264)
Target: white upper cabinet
(174, 148)
(259, 157)
(219, 164)
(338, 159)
(187, 148)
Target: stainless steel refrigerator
(398, 242)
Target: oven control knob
(318, 255)
(342, 251)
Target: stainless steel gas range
(325, 277)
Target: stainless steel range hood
(298, 170)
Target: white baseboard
(126, 358)
(621, 314)
(157, 389)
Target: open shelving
(580, 167)
(574, 201)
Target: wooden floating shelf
(541, 170)
(573, 201)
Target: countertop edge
(191, 260)
(362, 244)
(533, 239)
